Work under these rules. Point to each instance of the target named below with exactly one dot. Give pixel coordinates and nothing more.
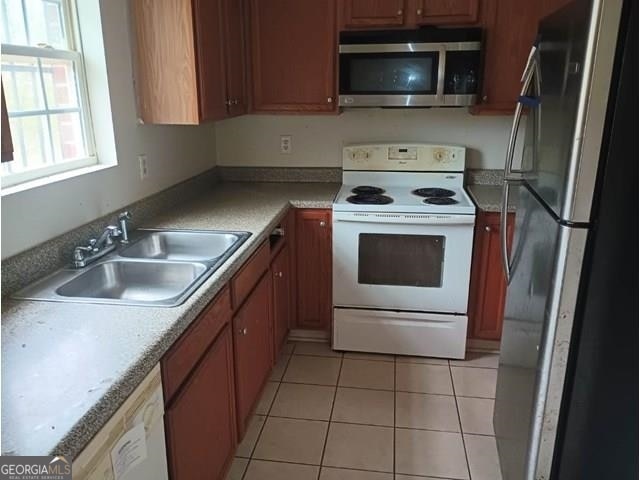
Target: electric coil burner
(367, 190)
(440, 201)
(434, 193)
(365, 199)
(402, 236)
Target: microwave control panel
(414, 157)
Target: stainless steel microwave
(429, 67)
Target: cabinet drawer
(185, 353)
(244, 281)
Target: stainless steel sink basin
(190, 246)
(138, 282)
(160, 268)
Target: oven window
(403, 260)
(389, 73)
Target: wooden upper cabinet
(446, 12)
(373, 13)
(487, 292)
(209, 37)
(185, 74)
(7, 143)
(510, 30)
(313, 268)
(293, 55)
(235, 57)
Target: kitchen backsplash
(316, 141)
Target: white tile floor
(328, 416)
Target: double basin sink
(157, 268)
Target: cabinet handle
(329, 99)
(243, 331)
(323, 223)
(419, 11)
(399, 12)
(487, 228)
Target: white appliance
(402, 242)
(144, 406)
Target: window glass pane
(45, 21)
(13, 26)
(403, 260)
(59, 83)
(30, 142)
(68, 140)
(23, 88)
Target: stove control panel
(417, 157)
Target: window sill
(58, 177)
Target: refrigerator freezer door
(564, 134)
(539, 313)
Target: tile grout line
(266, 417)
(464, 445)
(333, 403)
(393, 446)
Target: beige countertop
(489, 197)
(67, 367)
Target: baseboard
(303, 335)
(483, 345)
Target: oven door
(402, 261)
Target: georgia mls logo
(35, 468)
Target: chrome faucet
(98, 248)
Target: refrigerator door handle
(504, 250)
(529, 78)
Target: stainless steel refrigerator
(559, 296)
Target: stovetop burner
(375, 199)
(367, 190)
(440, 201)
(434, 193)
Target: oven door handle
(405, 219)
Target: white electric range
(402, 243)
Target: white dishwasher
(141, 457)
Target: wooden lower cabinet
(281, 297)
(253, 346)
(200, 421)
(313, 268)
(488, 285)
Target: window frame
(75, 55)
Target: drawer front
(185, 353)
(244, 281)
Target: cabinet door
(451, 12)
(281, 274)
(373, 13)
(235, 57)
(510, 29)
(253, 341)
(201, 429)
(293, 51)
(488, 285)
(207, 18)
(313, 268)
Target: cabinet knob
(280, 274)
(323, 223)
(236, 101)
(485, 98)
(329, 99)
(419, 11)
(487, 228)
(399, 12)
(243, 331)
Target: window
(45, 89)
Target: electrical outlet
(285, 144)
(144, 170)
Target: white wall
(174, 153)
(254, 140)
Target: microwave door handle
(442, 52)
